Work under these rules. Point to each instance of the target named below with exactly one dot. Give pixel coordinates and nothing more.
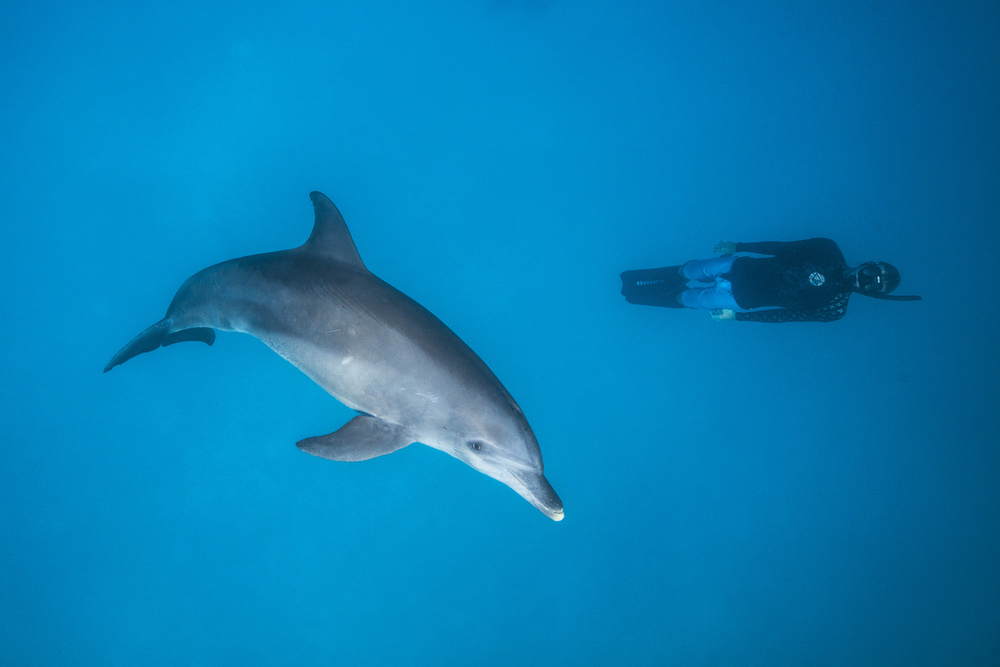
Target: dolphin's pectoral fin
(157, 335)
(360, 439)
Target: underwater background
(735, 493)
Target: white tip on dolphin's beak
(534, 488)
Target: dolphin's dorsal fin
(330, 236)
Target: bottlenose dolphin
(379, 352)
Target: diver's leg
(708, 270)
(719, 295)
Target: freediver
(801, 281)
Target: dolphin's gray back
(322, 310)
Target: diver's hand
(725, 247)
(720, 314)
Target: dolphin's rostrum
(410, 378)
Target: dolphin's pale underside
(410, 378)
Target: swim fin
(654, 287)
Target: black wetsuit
(804, 281)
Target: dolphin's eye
(476, 445)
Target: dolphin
(376, 350)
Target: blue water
(735, 493)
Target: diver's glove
(725, 247)
(720, 314)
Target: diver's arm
(779, 315)
(821, 246)
(828, 313)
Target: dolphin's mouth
(533, 487)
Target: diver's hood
(884, 268)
